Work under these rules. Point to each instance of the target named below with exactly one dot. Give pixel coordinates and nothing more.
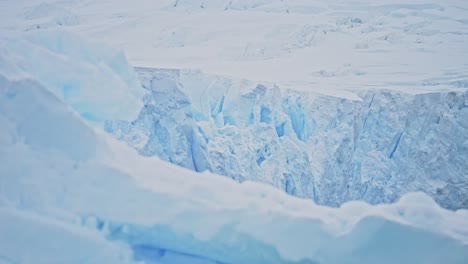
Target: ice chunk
(40, 108)
(95, 80)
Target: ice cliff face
(325, 148)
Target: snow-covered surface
(76, 195)
(314, 45)
(31, 238)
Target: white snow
(31, 238)
(321, 46)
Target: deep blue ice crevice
(394, 145)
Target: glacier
(96, 200)
(375, 147)
(244, 131)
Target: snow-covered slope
(31, 238)
(71, 194)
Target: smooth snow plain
(330, 47)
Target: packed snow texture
(329, 149)
(71, 194)
(30, 238)
(314, 45)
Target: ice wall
(329, 149)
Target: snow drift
(88, 198)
